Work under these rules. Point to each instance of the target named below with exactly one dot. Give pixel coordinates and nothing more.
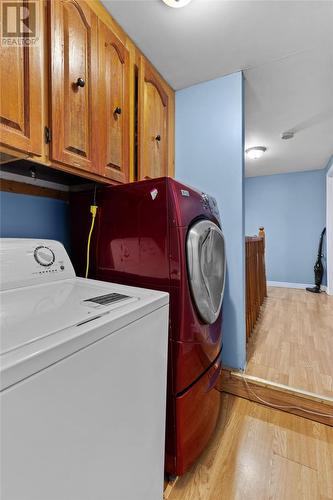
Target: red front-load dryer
(164, 235)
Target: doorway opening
(288, 203)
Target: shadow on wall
(24, 216)
(230, 324)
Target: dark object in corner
(318, 267)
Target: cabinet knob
(158, 138)
(117, 111)
(80, 82)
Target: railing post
(262, 235)
(256, 289)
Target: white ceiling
(286, 48)
(294, 94)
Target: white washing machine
(83, 381)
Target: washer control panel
(44, 256)
(26, 262)
(49, 259)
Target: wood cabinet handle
(158, 138)
(80, 82)
(117, 111)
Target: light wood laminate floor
(258, 453)
(292, 342)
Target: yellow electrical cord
(93, 211)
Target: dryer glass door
(206, 268)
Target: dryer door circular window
(206, 268)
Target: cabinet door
(153, 124)
(113, 105)
(21, 90)
(73, 90)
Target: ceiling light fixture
(255, 152)
(176, 3)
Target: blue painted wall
(292, 208)
(209, 156)
(24, 216)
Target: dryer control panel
(26, 262)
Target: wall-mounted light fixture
(176, 4)
(255, 152)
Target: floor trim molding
(168, 486)
(285, 284)
(276, 394)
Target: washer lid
(206, 268)
(43, 324)
(29, 314)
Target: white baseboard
(284, 284)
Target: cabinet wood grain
(152, 123)
(74, 74)
(20, 87)
(113, 105)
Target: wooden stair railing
(256, 286)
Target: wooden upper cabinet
(153, 126)
(21, 73)
(113, 105)
(107, 113)
(73, 86)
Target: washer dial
(44, 256)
